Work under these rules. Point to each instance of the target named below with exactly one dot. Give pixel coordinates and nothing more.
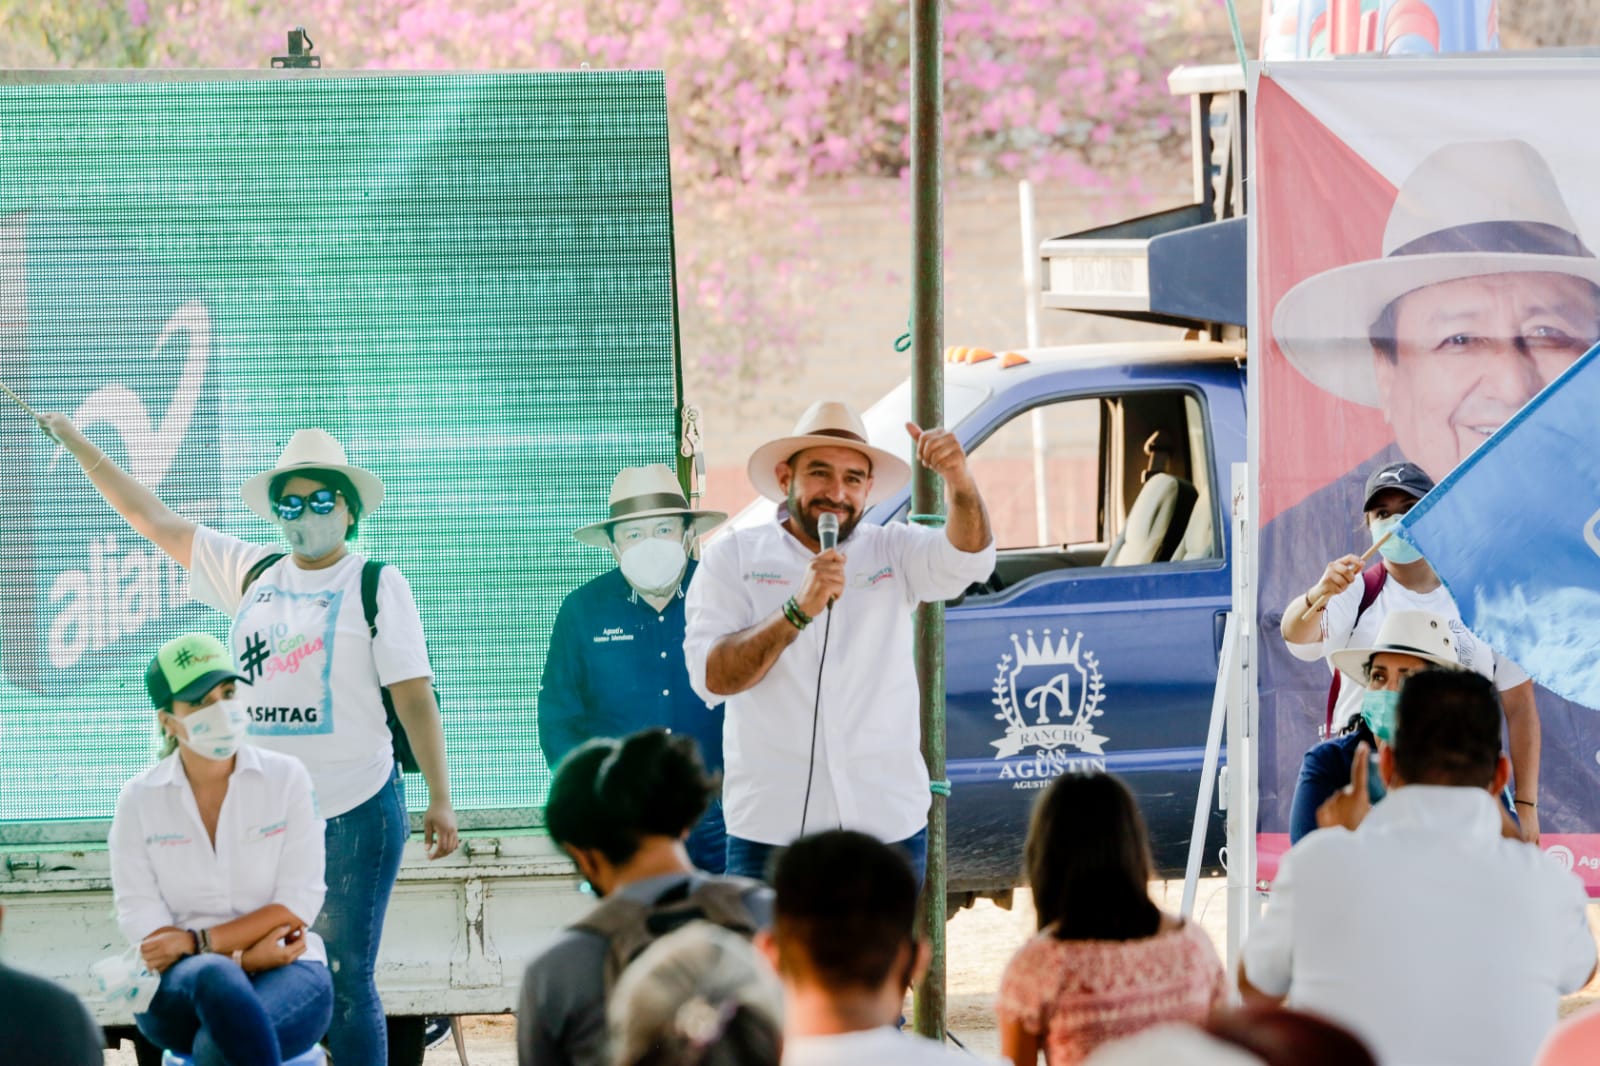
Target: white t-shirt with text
(314, 673)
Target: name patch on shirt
(613, 634)
(872, 581)
(272, 829)
(765, 577)
(167, 840)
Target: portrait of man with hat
(615, 664)
(811, 646)
(1483, 293)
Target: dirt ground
(981, 940)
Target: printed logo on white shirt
(1049, 694)
(295, 653)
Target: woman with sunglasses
(316, 676)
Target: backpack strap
(258, 569)
(628, 926)
(1372, 582)
(371, 572)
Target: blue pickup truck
(1094, 645)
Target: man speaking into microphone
(810, 643)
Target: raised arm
(1302, 618)
(968, 525)
(143, 510)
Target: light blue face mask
(1377, 710)
(1394, 549)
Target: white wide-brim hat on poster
(827, 424)
(1421, 633)
(309, 450)
(1469, 209)
(647, 492)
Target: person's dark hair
(1281, 1037)
(1087, 859)
(607, 795)
(1447, 729)
(333, 479)
(845, 907)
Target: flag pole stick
(1322, 601)
(18, 400)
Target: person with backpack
(332, 650)
(622, 810)
(1347, 606)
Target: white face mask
(124, 979)
(215, 732)
(313, 535)
(654, 565)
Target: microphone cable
(816, 715)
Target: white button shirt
(1425, 932)
(869, 771)
(269, 849)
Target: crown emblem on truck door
(1049, 694)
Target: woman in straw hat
(1407, 642)
(317, 675)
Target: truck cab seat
(1197, 538)
(1156, 522)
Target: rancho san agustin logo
(1049, 694)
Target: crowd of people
(756, 834)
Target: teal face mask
(1377, 710)
(1394, 549)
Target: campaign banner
(1424, 239)
(466, 279)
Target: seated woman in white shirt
(217, 871)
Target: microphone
(828, 530)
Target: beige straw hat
(312, 449)
(645, 492)
(827, 424)
(1421, 633)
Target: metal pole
(927, 494)
(1030, 309)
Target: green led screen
(467, 279)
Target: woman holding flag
(1347, 608)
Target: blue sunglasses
(290, 508)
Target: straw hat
(1469, 209)
(645, 492)
(1420, 633)
(827, 424)
(312, 449)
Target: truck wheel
(406, 1043)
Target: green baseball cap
(188, 667)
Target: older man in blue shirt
(615, 664)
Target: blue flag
(1514, 532)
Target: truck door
(1093, 646)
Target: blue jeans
(748, 858)
(364, 846)
(708, 841)
(212, 1011)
